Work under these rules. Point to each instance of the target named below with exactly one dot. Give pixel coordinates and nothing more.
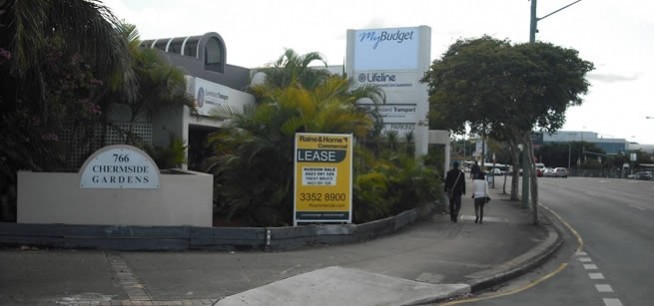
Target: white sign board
(119, 167)
(386, 49)
(400, 87)
(209, 95)
(394, 113)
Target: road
(610, 265)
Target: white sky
(617, 36)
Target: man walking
(455, 186)
(475, 170)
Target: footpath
(432, 260)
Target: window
(161, 44)
(147, 43)
(191, 46)
(213, 55)
(175, 45)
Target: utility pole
(526, 166)
(533, 28)
(533, 24)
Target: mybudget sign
(323, 178)
(386, 49)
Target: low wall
(201, 238)
(183, 199)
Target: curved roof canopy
(209, 48)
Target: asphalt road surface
(608, 255)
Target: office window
(213, 56)
(191, 46)
(161, 44)
(176, 45)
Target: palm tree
(31, 36)
(294, 69)
(253, 159)
(160, 84)
(87, 26)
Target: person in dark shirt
(475, 170)
(455, 186)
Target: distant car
(643, 175)
(540, 167)
(497, 171)
(548, 172)
(560, 172)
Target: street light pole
(526, 165)
(569, 154)
(533, 25)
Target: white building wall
(176, 120)
(54, 197)
(395, 59)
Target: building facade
(213, 83)
(611, 146)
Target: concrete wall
(182, 200)
(202, 238)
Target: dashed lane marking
(590, 267)
(603, 288)
(596, 275)
(638, 207)
(612, 302)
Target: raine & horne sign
(119, 167)
(323, 178)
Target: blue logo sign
(376, 77)
(200, 97)
(397, 37)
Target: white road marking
(638, 207)
(581, 253)
(590, 267)
(604, 288)
(585, 259)
(612, 302)
(596, 275)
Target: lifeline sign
(323, 178)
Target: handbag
(488, 199)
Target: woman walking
(480, 194)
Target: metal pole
(569, 154)
(533, 28)
(533, 24)
(525, 160)
(525, 178)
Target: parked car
(540, 167)
(643, 175)
(548, 172)
(497, 171)
(560, 172)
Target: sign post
(323, 178)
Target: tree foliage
(63, 63)
(505, 91)
(253, 162)
(498, 87)
(294, 69)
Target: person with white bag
(480, 194)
